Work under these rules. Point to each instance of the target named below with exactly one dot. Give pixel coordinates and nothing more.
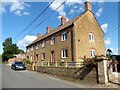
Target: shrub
(27, 61)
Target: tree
(9, 49)
(20, 51)
(109, 53)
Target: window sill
(64, 40)
(91, 41)
(64, 57)
(51, 44)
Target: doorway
(52, 57)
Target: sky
(16, 16)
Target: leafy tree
(7, 42)
(9, 49)
(20, 51)
(109, 53)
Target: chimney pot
(63, 20)
(88, 6)
(38, 35)
(48, 29)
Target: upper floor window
(91, 36)
(43, 56)
(52, 40)
(27, 49)
(64, 36)
(32, 48)
(92, 52)
(43, 43)
(37, 46)
(64, 53)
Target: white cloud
(2, 9)
(99, 12)
(107, 41)
(73, 2)
(26, 13)
(17, 7)
(104, 27)
(18, 12)
(61, 11)
(26, 41)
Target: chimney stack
(48, 29)
(38, 35)
(63, 20)
(88, 6)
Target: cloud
(61, 11)
(104, 27)
(26, 13)
(107, 41)
(17, 7)
(99, 12)
(73, 2)
(18, 12)
(2, 9)
(26, 41)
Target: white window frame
(43, 56)
(52, 40)
(31, 58)
(92, 52)
(37, 46)
(64, 55)
(43, 44)
(64, 36)
(32, 48)
(91, 36)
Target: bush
(62, 64)
(27, 61)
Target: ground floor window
(92, 52)
(43, 56)
(64, 53)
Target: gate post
(102, 72)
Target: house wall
(83, 26)
(77, 44)
(57, 47)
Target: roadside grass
(2, 62)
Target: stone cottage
(72, 40)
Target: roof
(67, 24)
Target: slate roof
(66, 24)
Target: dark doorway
(52, 57)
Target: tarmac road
(29, 79)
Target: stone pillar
(42, 63)
(66, 64)
(102, 72)
(33, 66)
(56, 64)
(48, 64)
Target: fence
(61, 64)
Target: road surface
(29, 79)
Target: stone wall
(74, 73)
(29, 67)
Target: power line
(115, 29)
(34, 20)
(46, 18)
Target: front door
(52, 57)
(36, 57)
